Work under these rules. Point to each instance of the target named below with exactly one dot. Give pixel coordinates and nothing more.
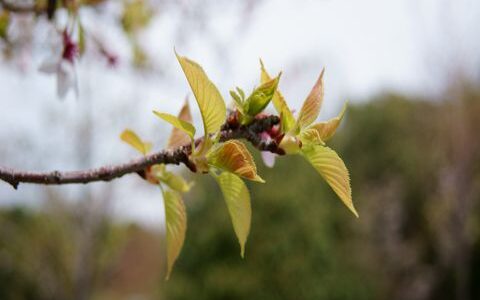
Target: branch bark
(19, 8)
(176, 156)
(49, 8)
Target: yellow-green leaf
(4, 22)
(327, 129)
(290, 144)
(175, 182)
(131, 138)
(261, 96)
(237, 198)
(211, 104)
(198, 157)
(176, 226)
(333, 170)
(136, 14)
(233, 156)
(81, 38)
(311, 107)
(288, 121)
(310, 136)
(177, 123)
(178, 137)
(238, 101)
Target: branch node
(14, 184)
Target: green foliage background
(415, 177)
(412, 232)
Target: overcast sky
(366, 46)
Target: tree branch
(49, 8)
(17, 8)
(174, 156)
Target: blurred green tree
(414, 167)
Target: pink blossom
(63, 66)
(268, 158)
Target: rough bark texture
(176, 156)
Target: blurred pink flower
(267, 137)
(268, 158)
(63, 66)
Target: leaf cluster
(230, 162)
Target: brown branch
(49, 8)
(18, 8)
(175, 156)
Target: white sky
(366, 46)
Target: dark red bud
(191, 166)
(261, 116)
(141, 173)
(149, 176)
(70, 48)
(265, 136)
(112, 59)
(280, 151)
(279, 138)
(232, 120)
(274, 131)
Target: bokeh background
(411, 72)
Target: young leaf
(131, 138)
(310, 136)
(233, 156)
(237, 198)
(238, 101)
(177, 123)
(176, 226)
(81, 38)
(288, 121)
(211, 104)
(333, 170)
(198, 157)
(4, 22)
(261, 96)
(240, 92)
(290, 144)
(175, 182)
(327, 129)
(178, 137)
(311, 106)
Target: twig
(175, 156)
(17, 8)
